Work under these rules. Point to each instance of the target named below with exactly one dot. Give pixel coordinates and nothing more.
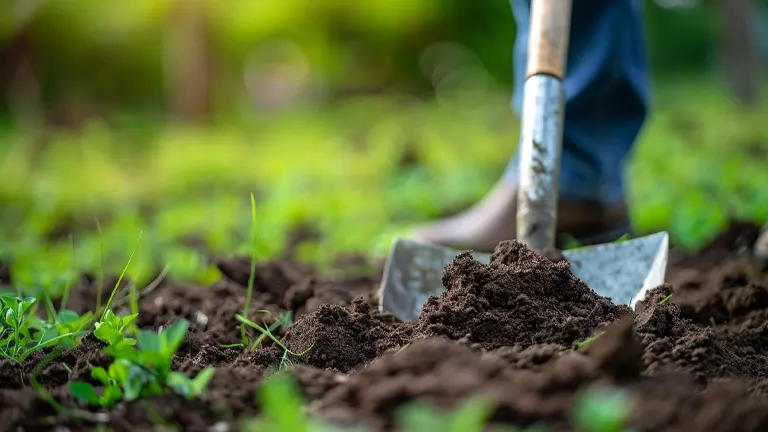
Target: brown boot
(493, 220)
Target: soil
(509, 331)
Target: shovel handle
(541, 132)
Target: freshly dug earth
(507, 331)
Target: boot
(493, 220)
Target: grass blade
(120, 279)
(252, 276)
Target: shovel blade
(624, 271)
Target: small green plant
(284, 320)
(21, 333)
(285, 361)
(66, 328)
(665, 299)
(470, 417)
(144, 371)
(111, 329)
(588, 341)
(603, 410)
(252, 276)
(283, 409)
(120, 280)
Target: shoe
(493, 220)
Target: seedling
(605, 410)
(141, 372)
(283, 410)
(283, 321)
(588, 341)
(265, 331)
(471, 416)
(252, 276)
(665, 299)
(111, 329)
(585, 342)
(66, 322)
(21, 334)
(120, 279)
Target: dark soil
(507, 331)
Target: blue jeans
(607, 95)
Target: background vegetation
(348, 119)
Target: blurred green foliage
(357, 173)
(82, 45)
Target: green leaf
(136, 379)
(419, 416)
(604, 410)
(173, 336)
(180, 383)
(123, 351)
(112, 395)
(110, 318)
(84, 391)
(201, 380)
(11, 319)
(149, 341)
(282, 402)
(156, 360)
(118, 370)
(100, 374)
(472, 416)
(128, 319)
(67, 316)
(107, 333)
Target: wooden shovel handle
(548, 37)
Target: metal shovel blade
(624, 271)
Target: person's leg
(607, 96)
(606, 103)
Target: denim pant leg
(607, 95)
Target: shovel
(623, 270)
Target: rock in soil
(518, 332)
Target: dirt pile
(340, 338)
(519, 298)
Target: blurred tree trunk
(739, 48)
(188, 62)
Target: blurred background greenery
(349, 120)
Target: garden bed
(520, 333)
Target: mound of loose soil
(520, 298)
(505, 331)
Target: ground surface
(697, 362)
(335, 185)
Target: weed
(252, 276)
(285, 361)
(120, 280)
(470, 417)
(284, 320)
(111, 329)
(66, 327)
(665, 299)
(21, 333)
(142, 372)
(603, 410)
(588, 341)
(283, 409)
